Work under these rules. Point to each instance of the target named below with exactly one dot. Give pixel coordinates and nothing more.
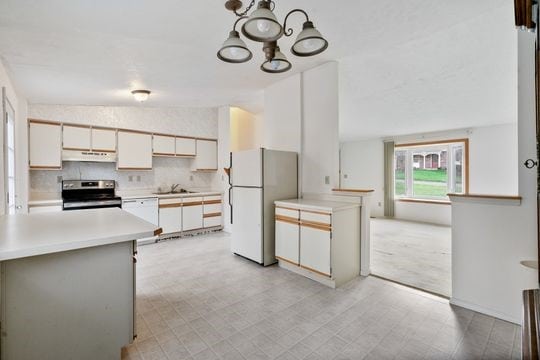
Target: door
(206, 158)
(170, 219)
(315, 249)
(288, 241)
(134, 151)
(247, 168)
(192, 214)
(45, 145)
(247, 239)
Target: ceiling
(95, 52)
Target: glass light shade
(140, 95)
(262, 25)
(278, 64)
(234, 49)
(309, 42)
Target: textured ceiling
(398, 57)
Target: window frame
(409, 167)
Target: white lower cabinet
(44, 209)
(192, 214)
(170, 215)
(319, 243)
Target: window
(430, 170)
(9, 156)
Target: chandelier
(262, 26)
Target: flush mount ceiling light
(141, 95)
(263, 26)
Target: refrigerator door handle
(230, 202)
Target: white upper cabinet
(76, 137)
(206, 158)
(164, 145)
(45, 145)
(186, 146)
(103, 140)
(134, 151)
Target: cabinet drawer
(287, 212)
(212, 199)
(165, 203)
(212, 221)
(212, 208)
(319, 218)
(192, 201)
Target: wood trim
(317, 226)
(164, 135)
(287, 208)
(287, 260)
(82, 126)
(185, 155)
(425, 201)
(185, 137)
(158, 231)
(44, 122)
(353, 190)
(192, 203)
(99, 127)
(434, 142)
(315, 271)
(479, 196)
(211, 202)
(45, 167)
(75, 149)
(133, 169)
(169, 206)
(162, 154)
(211, 215)
(316, 212)
(519, 12)
(206, 170)
(103, 150)
(205, 139)
(134, 131)
(287, 219)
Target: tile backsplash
(166, 171)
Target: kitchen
(165, 206)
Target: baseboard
(484, 310)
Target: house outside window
(431, 171)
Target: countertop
(51, 199)
(25, 235)
(317, 205)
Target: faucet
(174, 186)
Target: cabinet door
(185, 147)
(103, 140)
(288, 241)
(45, 146)
(315, 249)
(134, 151)
(192, 214)
(170, 219)
(206, 155)
(164, 145)
(76, 138)
(44, 209)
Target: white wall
(320, 129)
(490, 240)
(245, 130)
(221, 180)
(202, 122)
(362, 164)
(19, 105)
(493, 168)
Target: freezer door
(247, 239)
(247, 168)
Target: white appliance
(146, 209)
(88, 156)
(258, 178)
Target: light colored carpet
(412, 253)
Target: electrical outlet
(327, 180)
(345, 176)
(130, 178)
(59, 179)
(190, 177)
(138, 178)
(380, 204)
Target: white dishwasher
(146, 209)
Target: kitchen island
(67, 286)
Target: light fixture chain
(244, 13)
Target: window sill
(424, 201)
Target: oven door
(94, 204)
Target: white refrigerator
(258, 178)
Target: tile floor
(413, 253)
(197, 301)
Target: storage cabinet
(164, 145)
(186, 147)
(76, 138)
(170, 215)
(320, 243)
(45, 145)
(103, 140)
(206, 158)
(134, 151)
(192, 213)
(212, 211)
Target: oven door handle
(70, 205)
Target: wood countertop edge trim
(353, 190)
(482, 196)
(425, 201)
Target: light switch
(327, 180)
